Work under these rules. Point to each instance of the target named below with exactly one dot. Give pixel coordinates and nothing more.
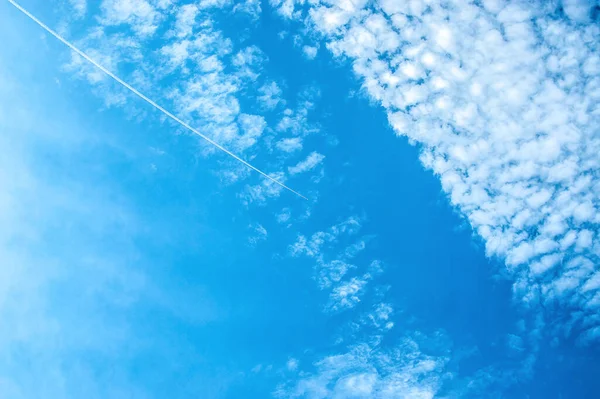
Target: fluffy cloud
(347, 294)
(369, 371)
(289, 144)
(310, 51)
(270, 95)
(311, 161)
(283, 216)
(79, 7)
(503, 99)
(143, 16)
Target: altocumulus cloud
(503, 99)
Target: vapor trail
(143, 97)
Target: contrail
(143, 97)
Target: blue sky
(449, 246)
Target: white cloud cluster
(211, 96)
(143, 16)
(270, 95)
(295, 121)
(79, 7)
(348, 293)
(178, 57)
(311, 162)
(310, 52)
(503, 98)
(369, 371)
(259, 233)
(263, 191)
(291, 144)
(333, 268)
(250, 7)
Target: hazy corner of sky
(503, 98)
(61, 234)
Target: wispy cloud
(283, 216)
(270, 95)
(251, 7)
(311, 161)
(212, 97)
(259, 233)
(143, 16)
(79, 7)
(334, 270)
(310, 52)
(289, 144)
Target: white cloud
(260, 193)
(213, 3)
(79, 7)
(270, 95)
(250, 7)
(311, 161)
(289, 145)
(578, 10)
(503, 99)
(381, 316)
(284, 216)
(292, 364)
(252, 127)
(296, 121)
(286, 7)
(143, 16)
(369, 371)
(332, 272)
(333, 267)
(347, 294)
(186, 20)
(249, 62)
(312, 247)
(206, 79)
(259, 233)
(310, 52)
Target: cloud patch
(369, 371)
(309, 163)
